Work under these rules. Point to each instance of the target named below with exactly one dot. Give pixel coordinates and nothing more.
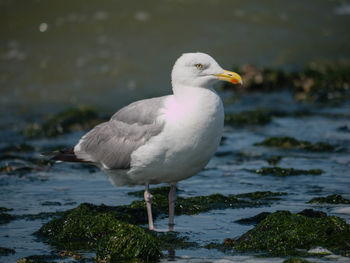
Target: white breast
(191, 135)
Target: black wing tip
(64, 155)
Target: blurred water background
(108, 53)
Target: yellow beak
(230, 76)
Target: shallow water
(227, 173)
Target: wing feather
(112, 143)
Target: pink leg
(172, 199)
(148, 199)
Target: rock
(254, 117)
(283, 172)
(254, 220)
(283, 233)
(73, 119)
(4, 251)
(99, 228)
(292, 143)
(261, 195)
(331, 199)
(296, 260)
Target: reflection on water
(53, 54)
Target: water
(54, 55)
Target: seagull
(164, 139)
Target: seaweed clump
(100, 228)
(296, 260)
(283, 172)
(283, 233)
(316, 83)
(194, 205)
(5, 217)
(200, 204)
(253, 117)
(72, 119)
(254, 220)
(330, 199)
(285, 142)
(4, 251)
(261, 195)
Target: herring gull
(160, 140)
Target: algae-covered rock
(254, 220)
(199, 204)
(274, 160)
(73, 119)
(172, 240)
(128, 241)
(292, 143)
(103, 229)
(331, 199)
(283, 233)
(5, 209)
(322, 83)
(283, 172)
(261, 195)
(23, 147)
(254, 117)
(258, 79)
(5, 218)
(195, 205)
(296, 260)
(4, 251)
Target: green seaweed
(23, 147)
(42, 215)
(330, 199)
(100, 228)
(128, 241)
(4, 251)
(172, 240)
(199, 204)
(51, 203)
(5, 209)
(296, 260)
(274, 160)
(195, 205)
(224, 246)
(253, 117)
(292, 143)
(261, 195)
(254, 220)
(283, 233)
(5, 218)
(283, 172)
(72, 119)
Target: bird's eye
(199, 66)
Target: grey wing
(112, 143)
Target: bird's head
(200, 70)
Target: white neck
(190, 95)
